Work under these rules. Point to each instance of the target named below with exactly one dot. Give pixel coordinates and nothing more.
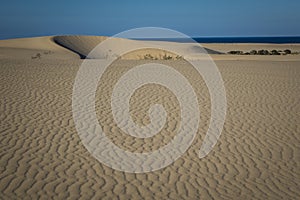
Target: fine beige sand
(42, 156)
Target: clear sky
(26, 18)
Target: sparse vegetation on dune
(39, 55)
(149, 57)
(287, 51)
(263, 52)
(163, 57)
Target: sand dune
(25, 48)
(42, 156)
(83, 45)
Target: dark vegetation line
(264, 52)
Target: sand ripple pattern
(257, 156)
(112, 49)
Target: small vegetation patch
(39, 55)
(163, 57)
(36, 56)
(264, 52)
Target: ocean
(275, 40)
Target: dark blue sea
(275, 40)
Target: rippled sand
(42, 156)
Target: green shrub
(275, 52)
(253, 52)
(287, 51)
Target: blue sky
(191, 17)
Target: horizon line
(213, 36)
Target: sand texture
(42, 156)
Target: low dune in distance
(42, 155)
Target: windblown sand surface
(42, 156)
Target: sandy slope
(257, 156)
(83, 45)
(25, 48)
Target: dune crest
(83, 45)
(26, 48)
